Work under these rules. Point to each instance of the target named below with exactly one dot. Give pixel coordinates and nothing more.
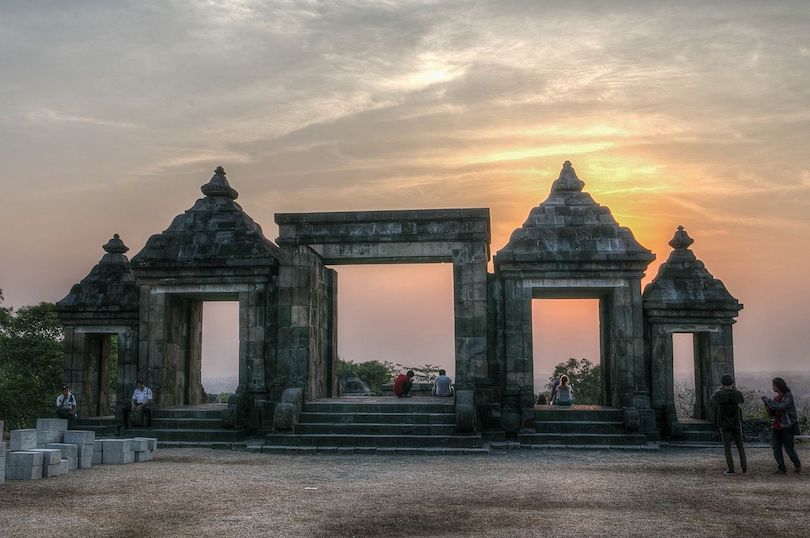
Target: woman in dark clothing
(783, 410)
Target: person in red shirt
(403, 384)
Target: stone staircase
(385, 425)
(581, 427)
(175, 427)
(696, 432)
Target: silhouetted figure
(783, 410)
(728, 400)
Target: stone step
(690, 436)
(210, 414)
(571, 414)
(381, 451)
(378, 418)
(395, 406)
(581, 439)
(187, 423)
(579, 426)
(191, 435)
(698, 426)
(355, 440)
(376, 429)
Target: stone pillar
(152, 338)
(519, 387)
(127, 366)
(625, 348)
(470, 316)
(662, 392)
(252, 333)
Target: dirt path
(197, 492)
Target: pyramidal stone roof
(569, 226)
(215, 232)
(110, 284)
(684, 283)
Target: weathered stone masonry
(569, 247)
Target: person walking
(728, 400)
(783, 410)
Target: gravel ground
(199, 492)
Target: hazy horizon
(113, 114)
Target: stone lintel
(221, 292)
(686, 327)
(372, 227)
(102, 329)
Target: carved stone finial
(681, 239)
(219, 186)
(115, 245)
(568, 180)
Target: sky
(112, 114)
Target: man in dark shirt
(728, 400)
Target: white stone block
(86, 459)
(139, 444)
(56, 469)
(146, 455)
(151, 442)
(50, 456)
(46, 437)
(23, 459)
(117, 452)
(52, 425)
(23, 439)
(23, 465)
(24, 472)
(80, 437)
(69, 452)
(97, 457)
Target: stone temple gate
(569, 247)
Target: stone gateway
(569, 247)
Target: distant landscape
(218, 385)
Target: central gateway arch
(307, 288)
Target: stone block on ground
(50, 456)
(24, 465)
(98, 448)
(117, 452)
(80, 437)
(51, 430)
(56, 469)
(23, 439)
(86, 457)
(138, 444)
(2, 462)
(145, 455)
(69, 452)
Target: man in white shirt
(66, 404)
(142, 401)
(442, 385)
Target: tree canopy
(31, 362)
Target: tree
(374, 373)
(584, 376)
(31, 363)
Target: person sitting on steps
(403, 384)
(141, 400)
(443, 385)
(565, 393)
(66, 404)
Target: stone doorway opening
(101, 384)
(397, 313)
(220, 348)
(683, 367)
(564, 329)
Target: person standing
(66, 404)
(141, 398)
(783, 410)
(728, 400)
